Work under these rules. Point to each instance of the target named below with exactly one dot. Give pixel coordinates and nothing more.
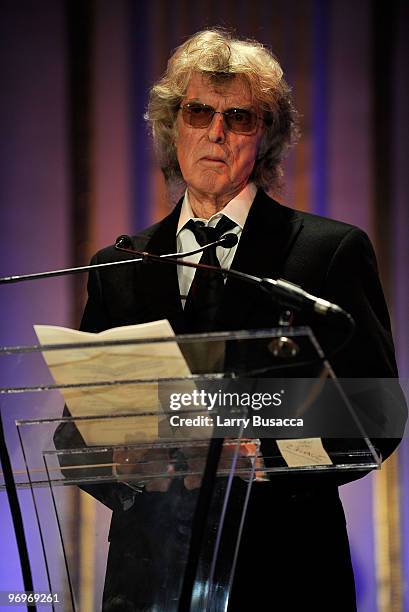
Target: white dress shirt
(237, 210)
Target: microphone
(294, 296)
(123, 241)
(228, 240)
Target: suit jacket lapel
(266, 241)
(160, 281)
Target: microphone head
(229, 240)
(123, 242)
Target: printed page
(117, 363)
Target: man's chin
(212, 184)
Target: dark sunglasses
(238, 120)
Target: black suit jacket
(330, 259)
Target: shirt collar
(237, 209)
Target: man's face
(215, 161)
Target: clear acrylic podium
(143, 508)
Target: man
(222, 120)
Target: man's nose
(217, 128)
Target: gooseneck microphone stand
(228, 240)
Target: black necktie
(206, 288)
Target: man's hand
(155, 468)
(142, 464)
(196, 459)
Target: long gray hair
(216, 54)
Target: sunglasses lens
(197, 115)
(240, 120)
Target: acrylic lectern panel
(118, 489)
(144, 500)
